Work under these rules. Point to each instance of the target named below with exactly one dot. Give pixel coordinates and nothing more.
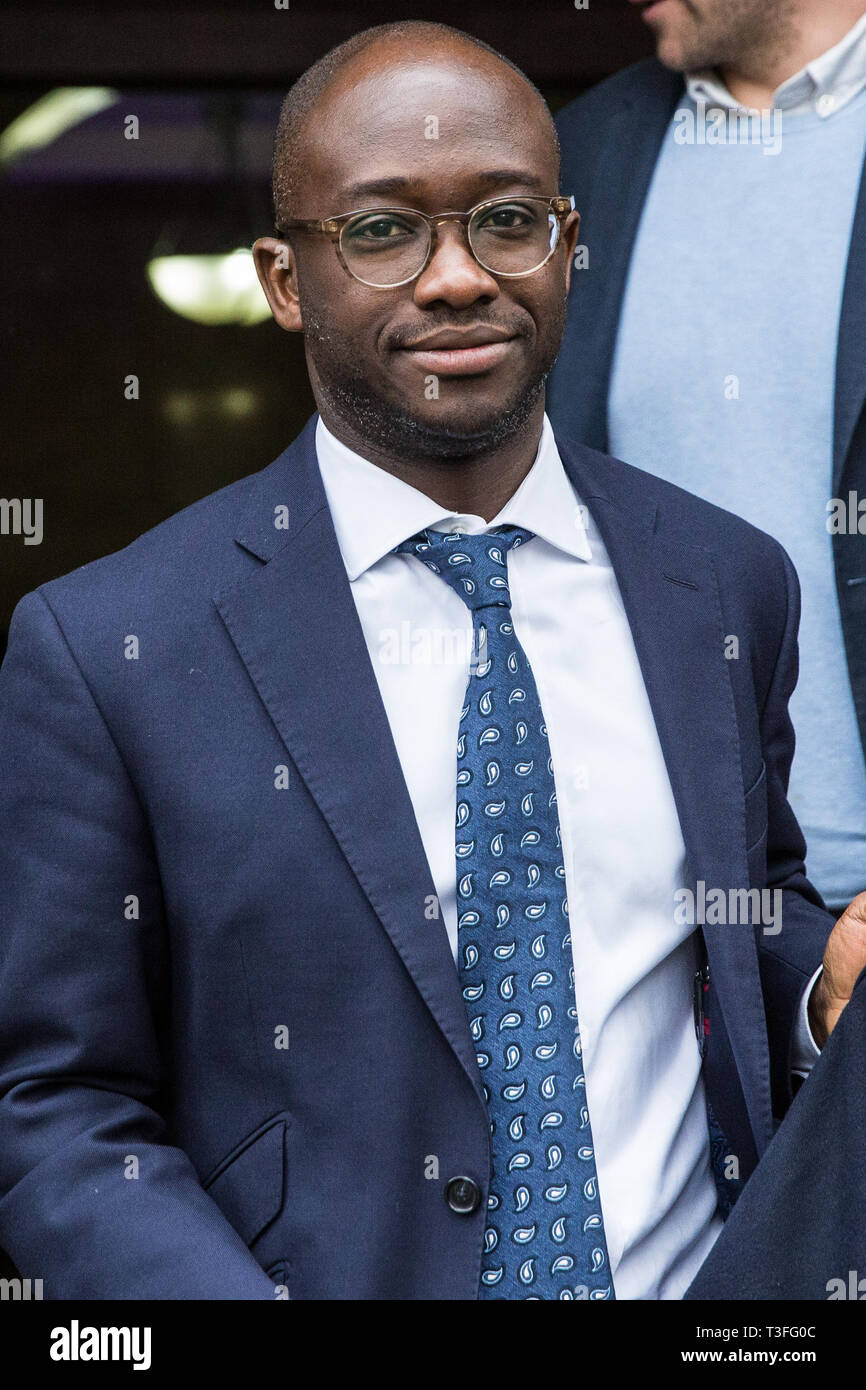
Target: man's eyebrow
(400, 186)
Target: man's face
(695, 34)
(389, 362)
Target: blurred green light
(50, 116)
(210, 289)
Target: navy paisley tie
(545, 1237)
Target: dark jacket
(233, 1046)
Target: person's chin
(672, 55)
(666, 28)
(674, 51)
(465, 407)
(454, 425)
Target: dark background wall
(83, 215)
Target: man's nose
(452, 273)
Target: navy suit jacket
(798, 1231)
(233, 1047)
(611, 139)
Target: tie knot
(474, 566)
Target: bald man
(400, 896)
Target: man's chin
(441, 432)
(675, 56)
(675, 41)
(454, 434)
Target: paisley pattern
(544, 1238)
(728, 1187)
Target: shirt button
(463, 1195)
(825, 104)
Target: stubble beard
(392, 428)
(749, 35)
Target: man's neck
(816, 29)
(479, 485)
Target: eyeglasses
(387, 247)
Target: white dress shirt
(825, 85)
(622, 845)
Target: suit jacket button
(463, 1195)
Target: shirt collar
(373, 511)
(838, 73)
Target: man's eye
(513, 217)
(380, 229)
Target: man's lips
(455, 353)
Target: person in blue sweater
(717, 327)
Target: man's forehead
(375, 77)
(416, 119)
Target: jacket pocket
(248, 1184)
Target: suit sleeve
(789, 959)
(94, 1198)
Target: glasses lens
(385, 248)
(513, 238)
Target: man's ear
(569, 237)
(277, 270)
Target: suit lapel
(851, 357)
(670, 594)
(294, 624)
